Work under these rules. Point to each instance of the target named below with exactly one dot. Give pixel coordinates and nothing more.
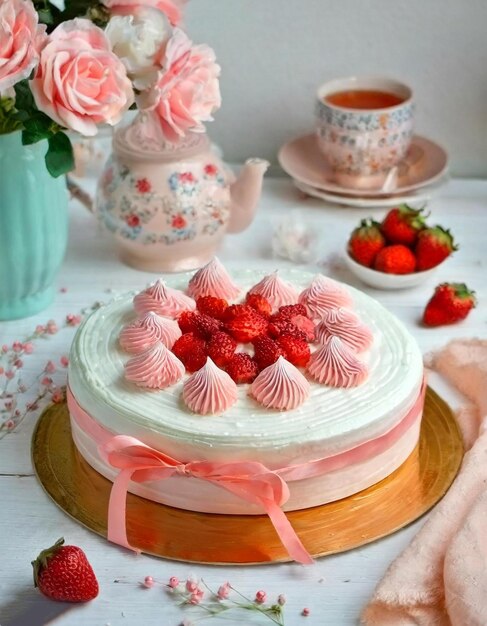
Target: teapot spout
(245, 193)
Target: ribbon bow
(251, 481)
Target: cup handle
(80, 194)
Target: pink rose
(173, 9)
(187, 91)
(20, 40)
(79, 81)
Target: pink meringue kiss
(210, 390)
(324, 294)
(335, 364)
(344, 324)
(277, 291)
(213, 280)
(147, 330)
(162, 300)
(280, 386)
(156, 368)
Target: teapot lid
(143, 140)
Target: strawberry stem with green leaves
(43, 559)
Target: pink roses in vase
(73, 74)
(21, 37)
(79, 82)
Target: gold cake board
(182, 535)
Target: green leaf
(8, 119)
(77, 8)
(49, 15)
(59, 156)
(37, 127)
(24, 100)
(98, 14)
(45, 17)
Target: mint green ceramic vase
(33, 228)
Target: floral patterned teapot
(169, 205)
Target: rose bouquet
(76, 68)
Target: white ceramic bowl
(381, 280)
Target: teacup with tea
(364, 128)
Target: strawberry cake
(244, 392)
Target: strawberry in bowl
(403, 225)
(433, 247)
(399, 252)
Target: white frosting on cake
(329, 421)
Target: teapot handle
(80, 194)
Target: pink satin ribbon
(250, 481)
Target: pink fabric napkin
(441, 577)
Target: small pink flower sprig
(18, 399)
(14, 391)
(13, 412)
(196, 593)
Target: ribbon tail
(287, 534)
(117, 507)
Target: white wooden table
(335, 588)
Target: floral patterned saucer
(426, 163)
(417, 197)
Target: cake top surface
(98, 361)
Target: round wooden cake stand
(238, 539)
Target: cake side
(198, 495)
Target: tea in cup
(364, 128)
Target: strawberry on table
(63, 573)
(365, 242)
(395, 259)
(434, 246)
(403, 224)
(450, 303)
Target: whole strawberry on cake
(227, 376)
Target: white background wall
(274, 53)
